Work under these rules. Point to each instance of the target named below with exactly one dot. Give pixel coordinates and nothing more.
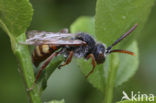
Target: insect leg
(43, 67)
(45, 64)
(68, 59)
(93, 64)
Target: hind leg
(42, 68)
(68, 59)
(45, 64)
(93, 64)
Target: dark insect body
(49, 45)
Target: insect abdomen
(42, 52)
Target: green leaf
(145, 100)
(86, 24)
(46, 73)
(56, 101)
(25, 67)
(83, 24)
(111, 69)
(100, 76)
(15, 16)
(115, 17)
(128, 64)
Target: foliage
(99, 78)
(15, 17)
(112, 19)
(86, 24)
(48, 71)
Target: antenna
(122, 51)
(122, 37)
(118, 40)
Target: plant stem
(110, 80)
(24, 59)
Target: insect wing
(40, 38)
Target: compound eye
(99, 54)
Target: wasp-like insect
(49, 45)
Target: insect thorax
(84, 50)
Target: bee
(81, 45)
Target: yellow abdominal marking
(38, 51)
(45, 48)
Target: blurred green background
(69, 83)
